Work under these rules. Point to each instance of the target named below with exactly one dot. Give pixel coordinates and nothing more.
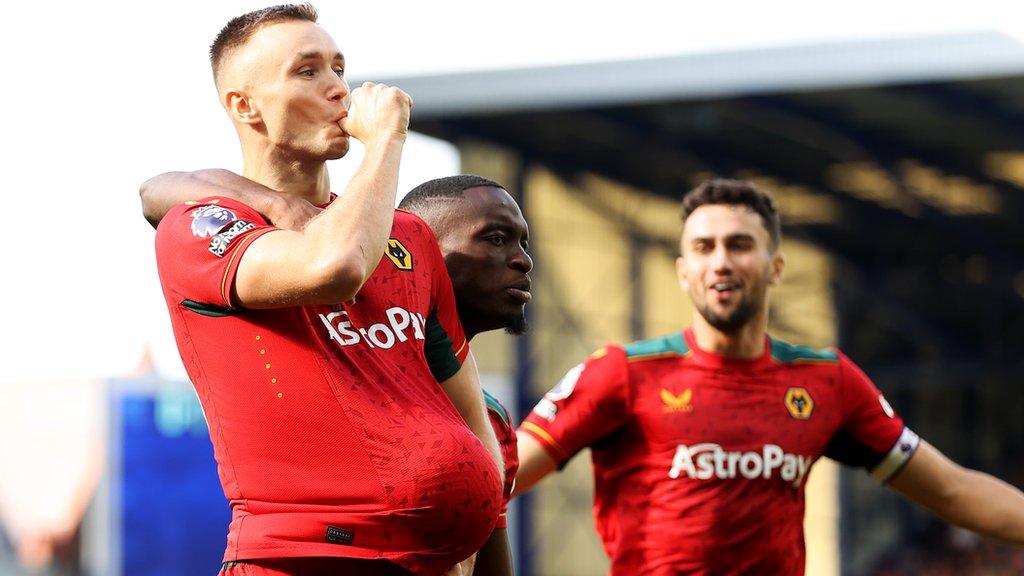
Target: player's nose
(720, 260)
(338, 91)
(521, 261)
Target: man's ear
(778, 265)
(240, 107)
(681, 274)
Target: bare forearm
(986, 505)
(967, 498)
(360, 220)
(464, 568)
(337, 251)
(494, 557)
(161, 193)
(534, 463)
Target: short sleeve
(199, 246)
(872, 435)
(589, 402)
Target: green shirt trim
(673, 345)
(208, 309)
(495, 406)
(791, 353)
(438, 350)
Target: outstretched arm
(961, 496)
(589, 402)
(161, 193)
(535, 462)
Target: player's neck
(746, 343)
(300, 179)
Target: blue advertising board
(170, 516)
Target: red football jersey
(331, 433)
(700, 460)
(501, 421)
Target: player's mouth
(724, 290)
(337, 120)
(520, 291)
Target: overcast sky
(98, 96)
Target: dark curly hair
(736, 193)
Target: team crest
(799, 403)
(399, 254)
(676, 403)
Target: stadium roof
(904, 157)
(717, 75)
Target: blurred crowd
(950, 551)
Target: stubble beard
(344, 149)
(335, 152)
(516, 324)
(731, 322)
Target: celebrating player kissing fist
(377, 111)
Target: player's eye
(742, 244)
(340, 72)
(307, 72)
(496, 240)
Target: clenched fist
(377, 111)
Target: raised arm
(967, 498)
(329, 260)
(161, 193)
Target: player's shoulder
(212, 211)
(409, 227)
(405, 219)
(405, 215)
(207, 217)
(667, 346)
(788, 353)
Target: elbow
(150, 192)
(149, 188)
(146, 197)
(340, 277)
